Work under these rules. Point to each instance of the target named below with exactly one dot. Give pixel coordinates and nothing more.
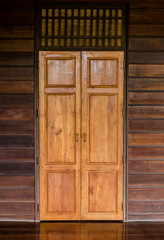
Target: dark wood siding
(17, 140)
(145, 110)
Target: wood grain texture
(146, 30)
(16, 16)
(19, 59)
(16, 114)
(152, 194)
(17, 140)
(14, 45)
(16, 101)
(145, 125)
(23, 154)
(146, 180)
(146, 16)
(146, 98)
(16, 87)
(145, 57)
(146, 139)
(17, 207)
(146, 111)
(146, 153)
(17, 194)
(16, 31)
(138, 70)
(143, 166)
(17, 168)
(146, 44)
(17, 182)
(146, 83)
(16, 127)
(19, 73)
(149, 207)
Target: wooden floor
(80, 231)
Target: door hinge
(124, 65)
(123, 113)
(122, 159)
(37, 113)
(38, 161)
(122, 206)
(38, 207)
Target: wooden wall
(145, 107)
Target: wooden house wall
(145, 164)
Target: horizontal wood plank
(16, 114)
(19, 59)
(17, 45)
(145, 57)
(17, 207)
(142, 30)
(145, 217)
(16, 31)
(145, 181)
(145, 153)
(146, 98)
(146, 111)
(17, 182)
(18, 73)
(146, 16)
(141, 166)
(23, 154)
(146, 194)
(16, 16)
(143, 125)
(17, 101)
(146, 207)
(139, 70)
(16, 127)
(15, 217)
(17, 195)
(146, 139)
(146, 44)
(17, 168)
(146, 84)
(13, 87)
(17, 141)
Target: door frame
(125, 104)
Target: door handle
(85, 137)
(77, 137)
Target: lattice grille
(81, 28)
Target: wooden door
(102, 136)
(91, 187)
(59, 123)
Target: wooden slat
(145, 57)
(146, 83)
(16, 101)
(17, 114)
(14, 217)
(23, 154)
(16, 16)
(152, 217)
(146, 98)
(17, 195)
(146, 30)
(148, 207)
(18, 73)
(17, 168)
(146, 4)
(146, 125)
(146, 44)
(7, 87)
(141, 166)
(145, 153)
(146, 70)
(19, 59)
(146, 111)
(16, 31)
(23, 45)
(149, 180)
(17, 141)
(140, 16)
(17, 182)
(17, 207)
(146, 194)
(16, 127)
(146, 139)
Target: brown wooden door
(102, 136)
(74, 125)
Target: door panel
(102, 129)
(59, 123)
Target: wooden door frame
(125, 108)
